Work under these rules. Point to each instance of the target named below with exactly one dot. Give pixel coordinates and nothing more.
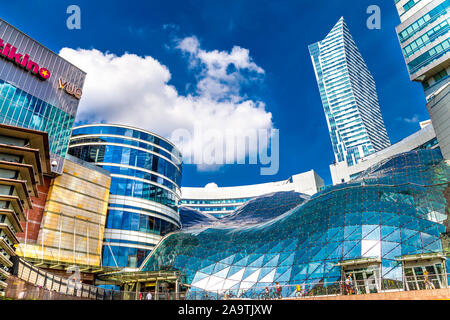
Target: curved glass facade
(380, 226)
(146, 174)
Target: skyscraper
(349, 97)
(424, 38)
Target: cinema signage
(70, 88)
(9, 52)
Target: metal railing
(35, 283)
(323, 289)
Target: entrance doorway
(365, 280)
(426, 271)
(416, 278)
(364, 274)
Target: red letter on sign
(25, 61)
(6, 50)
(33, 66)
(14, 56)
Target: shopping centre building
(222, 201)
(145, 177)
(385, 229)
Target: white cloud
(413, 119)
(221, 74)
(135, 90)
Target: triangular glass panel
(208, 270)
(407, 233)
(249, 271)
(199, 276)
(371, 218)
(222, 273)
(406, 250)
(252, 277)
(219, 266)
(434, 246)
(236, 276)
(288, 261)
(202, 284)
(354, 253)
(414, 240)
(273, 262)
(242, 262)
(389, 219)
(352, 232)
(390, 250)
(283, 277)
(336, 235)
(257, 263)
(228, 260)
(268, 278)
(371, 232)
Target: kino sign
(70, 88)
(22, 60)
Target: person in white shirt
(149, 296)
(349, 284)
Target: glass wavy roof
(395, 209)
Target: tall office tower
(349, 97)
(424, 38)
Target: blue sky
(276, 35)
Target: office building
(221, 201)
(24, 158)
(425, 42)
(145, 177)
(38, 90)
(349, 97)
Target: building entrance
(364, 280)
(426, 271)
(361, 276)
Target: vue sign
(70, 88)
(9, 52)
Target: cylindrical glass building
(146, 173)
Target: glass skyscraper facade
(30, 96)
(145, 177)
(385, 228)
(424, 38)
(349, 97)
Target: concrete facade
(221, 201)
